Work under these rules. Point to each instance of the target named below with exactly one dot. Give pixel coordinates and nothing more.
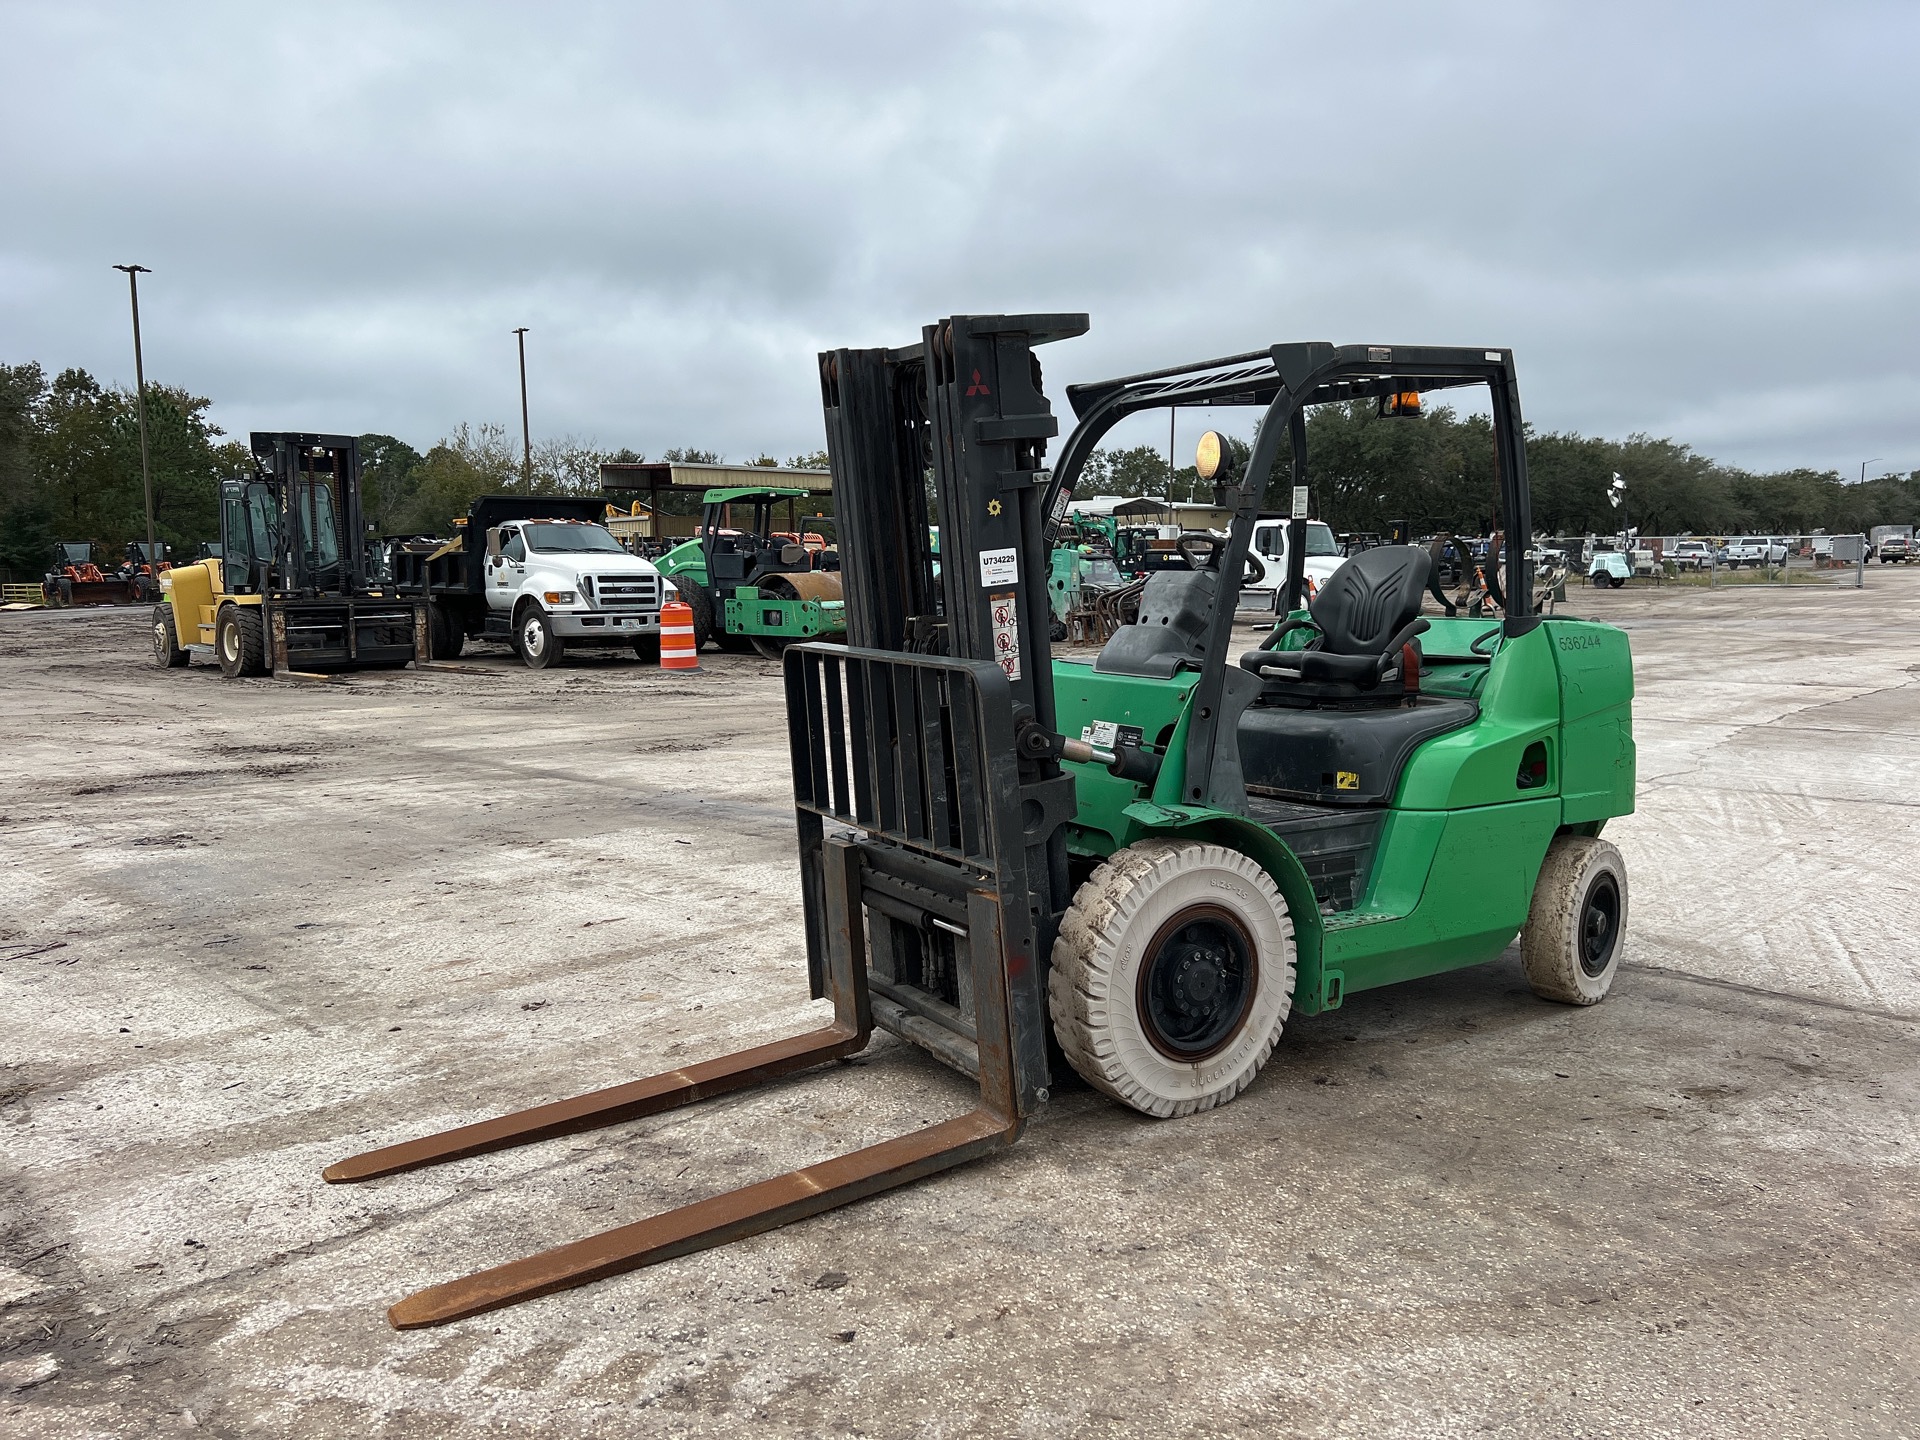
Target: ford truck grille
(627, 592)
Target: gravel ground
(251, 927)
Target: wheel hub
(1599, 925)
(1196, 983)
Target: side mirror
(493, 543)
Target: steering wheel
(1253, 572)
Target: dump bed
(460, 564)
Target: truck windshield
(571, 540)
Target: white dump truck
(535, 572)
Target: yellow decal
(1346, 780)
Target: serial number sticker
(1000, 567)
(1101, 733)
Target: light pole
(133, 274)
(1617, 497)
(1172, 418)
(1863, 467)
(526, 435)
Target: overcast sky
(1687, 219)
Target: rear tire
(446, 636)
(166, 640)
(1173, 976)
(697, 600)
(239, 641)
(1577, 924)
(769, 647)
(533, 637)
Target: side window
(515, 547)
(261, 516)
(236, 557)
(1266, 540)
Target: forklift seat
(1365, 613)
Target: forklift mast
(961, 414)
(314, 483)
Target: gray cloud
(1691, 219)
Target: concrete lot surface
(251, 927)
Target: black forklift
(288, 589)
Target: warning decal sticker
(1006, 630)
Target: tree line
(70, 470)
(1437, 471)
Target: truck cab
(1324, 556)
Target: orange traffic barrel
(677, 648)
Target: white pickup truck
(1756, 550)
(543, 577)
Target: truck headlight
(560, 597)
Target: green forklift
(1139, 867)
(750, 586)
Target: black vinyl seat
(1365, 613)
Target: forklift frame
(314, 613)
(932, 805)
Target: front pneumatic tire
(533, 637)
(239, 641)
(1173, 976)
(1577, 924)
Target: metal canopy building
(647, 481)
